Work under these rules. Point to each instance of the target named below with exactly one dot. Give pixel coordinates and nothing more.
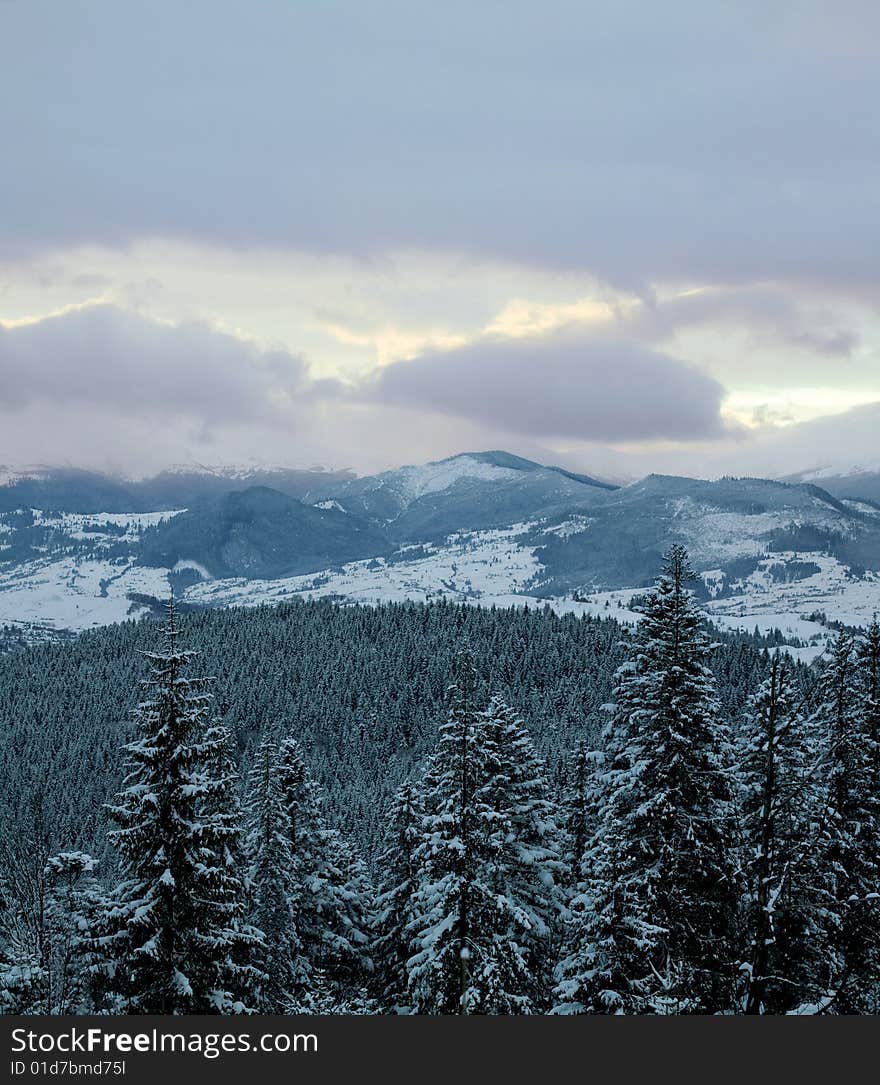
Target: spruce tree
(465, 928)
(578, 811)
(868, 664)
(240, 946)
(49, 917)
(399, 870)
(329, 887)
(781, 805)
(851, 869)
(163, 934)
(659, 934)
(526, 868)
(74, 903)
(450, 903)
(279, 959)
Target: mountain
(476, 490)
(67, 489)
(484, 527)
(857, 484)
(259, 532)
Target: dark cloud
(122, 363)
(719, 142)
(560, 386)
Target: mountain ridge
(482, 527)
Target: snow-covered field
(484, 566)
(70, 593)
(77, 591)
(832, 590)
(90, 527)
(798, 609)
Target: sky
(619, 236)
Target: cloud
(560, 386)
(124, 364)
(96, 373)
(765, 311)
(721, 143)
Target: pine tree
(658, 933)
(399, 868)
(239, 945)
(330, 890)
(526, 865)
(49, 916)
(25, 962)
(868, 663)
(850, 848)
(467, 959)
(284, 972)
(74, 904)
(782, 804)
(163, 933)
(449, 898)
(578, 806)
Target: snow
(768, 605)
(720, 535)
(75, 591)
(10, 475)
(832, 590)
(489, 566)
(61, 590)
(87, 527)
(575, 526)
(412, 482)
(840, 470)
(76, 594)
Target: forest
(440, 809)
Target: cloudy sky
(621, 236)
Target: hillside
(480, 528)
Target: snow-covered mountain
(78, 549)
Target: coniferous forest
(436, 809)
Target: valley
(488, 529)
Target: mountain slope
(67, 489)
(260, 532)
(475, 490)
(483, 527)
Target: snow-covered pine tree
(578, 811)
(25, 946)
(850, 849)
(74, 903)
(399, 870)
(868, 661)
(782, 803)
(162, 936)
(285, 973)
(22, 987)
(49, 909)
(526, 868)
(658, 933)
(477, 927)
(330, 891)
(239, 945)
(453, 912)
